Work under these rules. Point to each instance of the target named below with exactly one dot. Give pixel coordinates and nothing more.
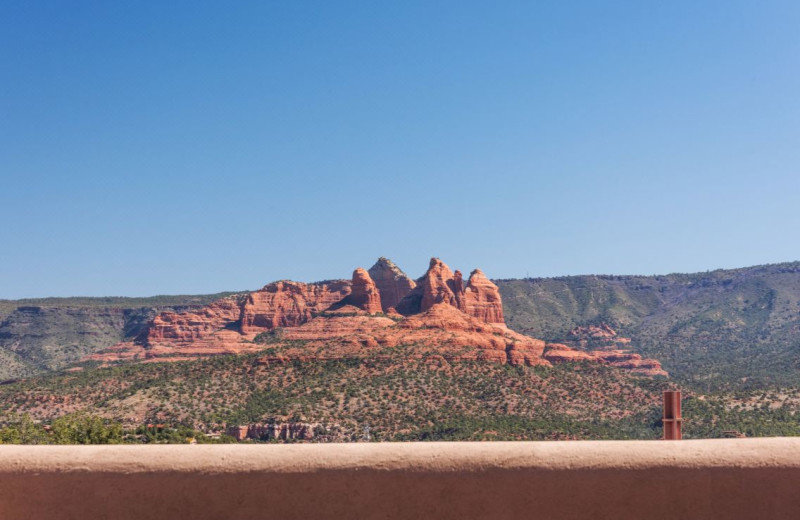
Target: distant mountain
(424, 359)
(380, 310)
(44, 334)
(733, 328)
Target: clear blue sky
(192, 147)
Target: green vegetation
(397, 398)
(114, 302)
(46, 334)
(76, 428)
(730, 339)
(724, 330)
(81, 428)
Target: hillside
(383, 357)
(723, 329)
(43, 334)
(380, 310)
(737, 328)
(391, 398)
(397, 397)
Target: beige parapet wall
(730, 479)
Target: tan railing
(730, 479)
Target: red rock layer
(442, 331)
(365, 294)
(630, 361)
(440, 318)
(193, 325)
(393, 284)
(480, 298)
(601, 335)
(289, 304)
(560, 353)
(284, 431)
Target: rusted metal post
(672, 419)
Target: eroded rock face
(560, 353)
(630, 361)
(393, 284)
(285, 431)
(364, 293)
(480, 298)
(442, 332)
(193, 325)
(602, 336)
(289, 304)
(441, 319)
(438, 286)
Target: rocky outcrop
(597, 336)
(393, 284)
(441, 331)
(192, 325)
(559, 353)
(631, 361)
(438, 286)
(364, 293)
(482, 299)
(266, 432)
(441, 318)
(601, 331)
(289, 304)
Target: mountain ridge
(543, 307)
(439, 315)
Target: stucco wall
(736, 478)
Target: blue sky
(194, 147)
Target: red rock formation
(294, 430)
(457, 286)
(442, 331)
(602, 331)
(482, 299)
(437, 286)
(597, 336)
(289, 304)
(365, 294)
(392, 283)
(560, 353)
(630, 361)
(440, 319)
(192, 325)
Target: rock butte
(437, 317)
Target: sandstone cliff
(289, 304)
(192, 325)
(439, 318)
(364, 293)
(393, 284)
(480, 298)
